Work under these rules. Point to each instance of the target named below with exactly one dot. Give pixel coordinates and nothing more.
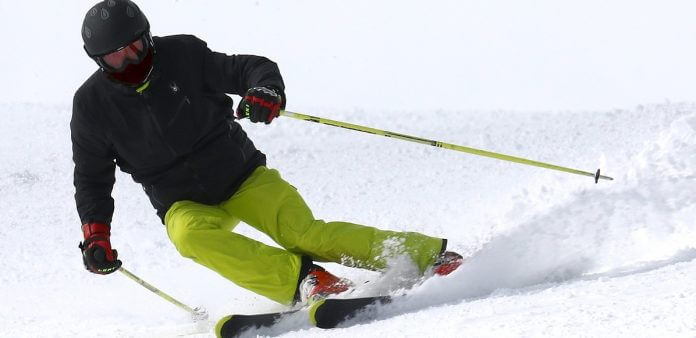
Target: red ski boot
(447, 262)
(319, 283)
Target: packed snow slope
(549, 253)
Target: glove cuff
(96, 229)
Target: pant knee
(181, 237)
(293, 231)
(185, 218)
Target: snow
(584, 85)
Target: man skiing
(158, 109)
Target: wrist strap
(85, 245)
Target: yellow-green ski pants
(271, 205)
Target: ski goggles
(133, 53)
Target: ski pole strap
(596, 175)
(157, 291)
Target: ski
(329, 313)
(323, 313)
(233, 326)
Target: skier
(158, 109)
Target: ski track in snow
(549, 253)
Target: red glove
(97, 254)
(261, 104)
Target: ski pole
(197, 313)
(439, 144)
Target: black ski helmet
(112, 24)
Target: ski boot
(447, 262)
(320, 284)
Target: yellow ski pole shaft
(439, 144)
(197, 313)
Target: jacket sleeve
(235, 74)
(94, 169)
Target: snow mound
(647, 218)
(641, 224)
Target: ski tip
(329, 313)
(219, 327)
(313, 310)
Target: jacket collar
(126, 89)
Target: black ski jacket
(177, 138)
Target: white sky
(397, 55)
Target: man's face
(132, 53)
(131, 64)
